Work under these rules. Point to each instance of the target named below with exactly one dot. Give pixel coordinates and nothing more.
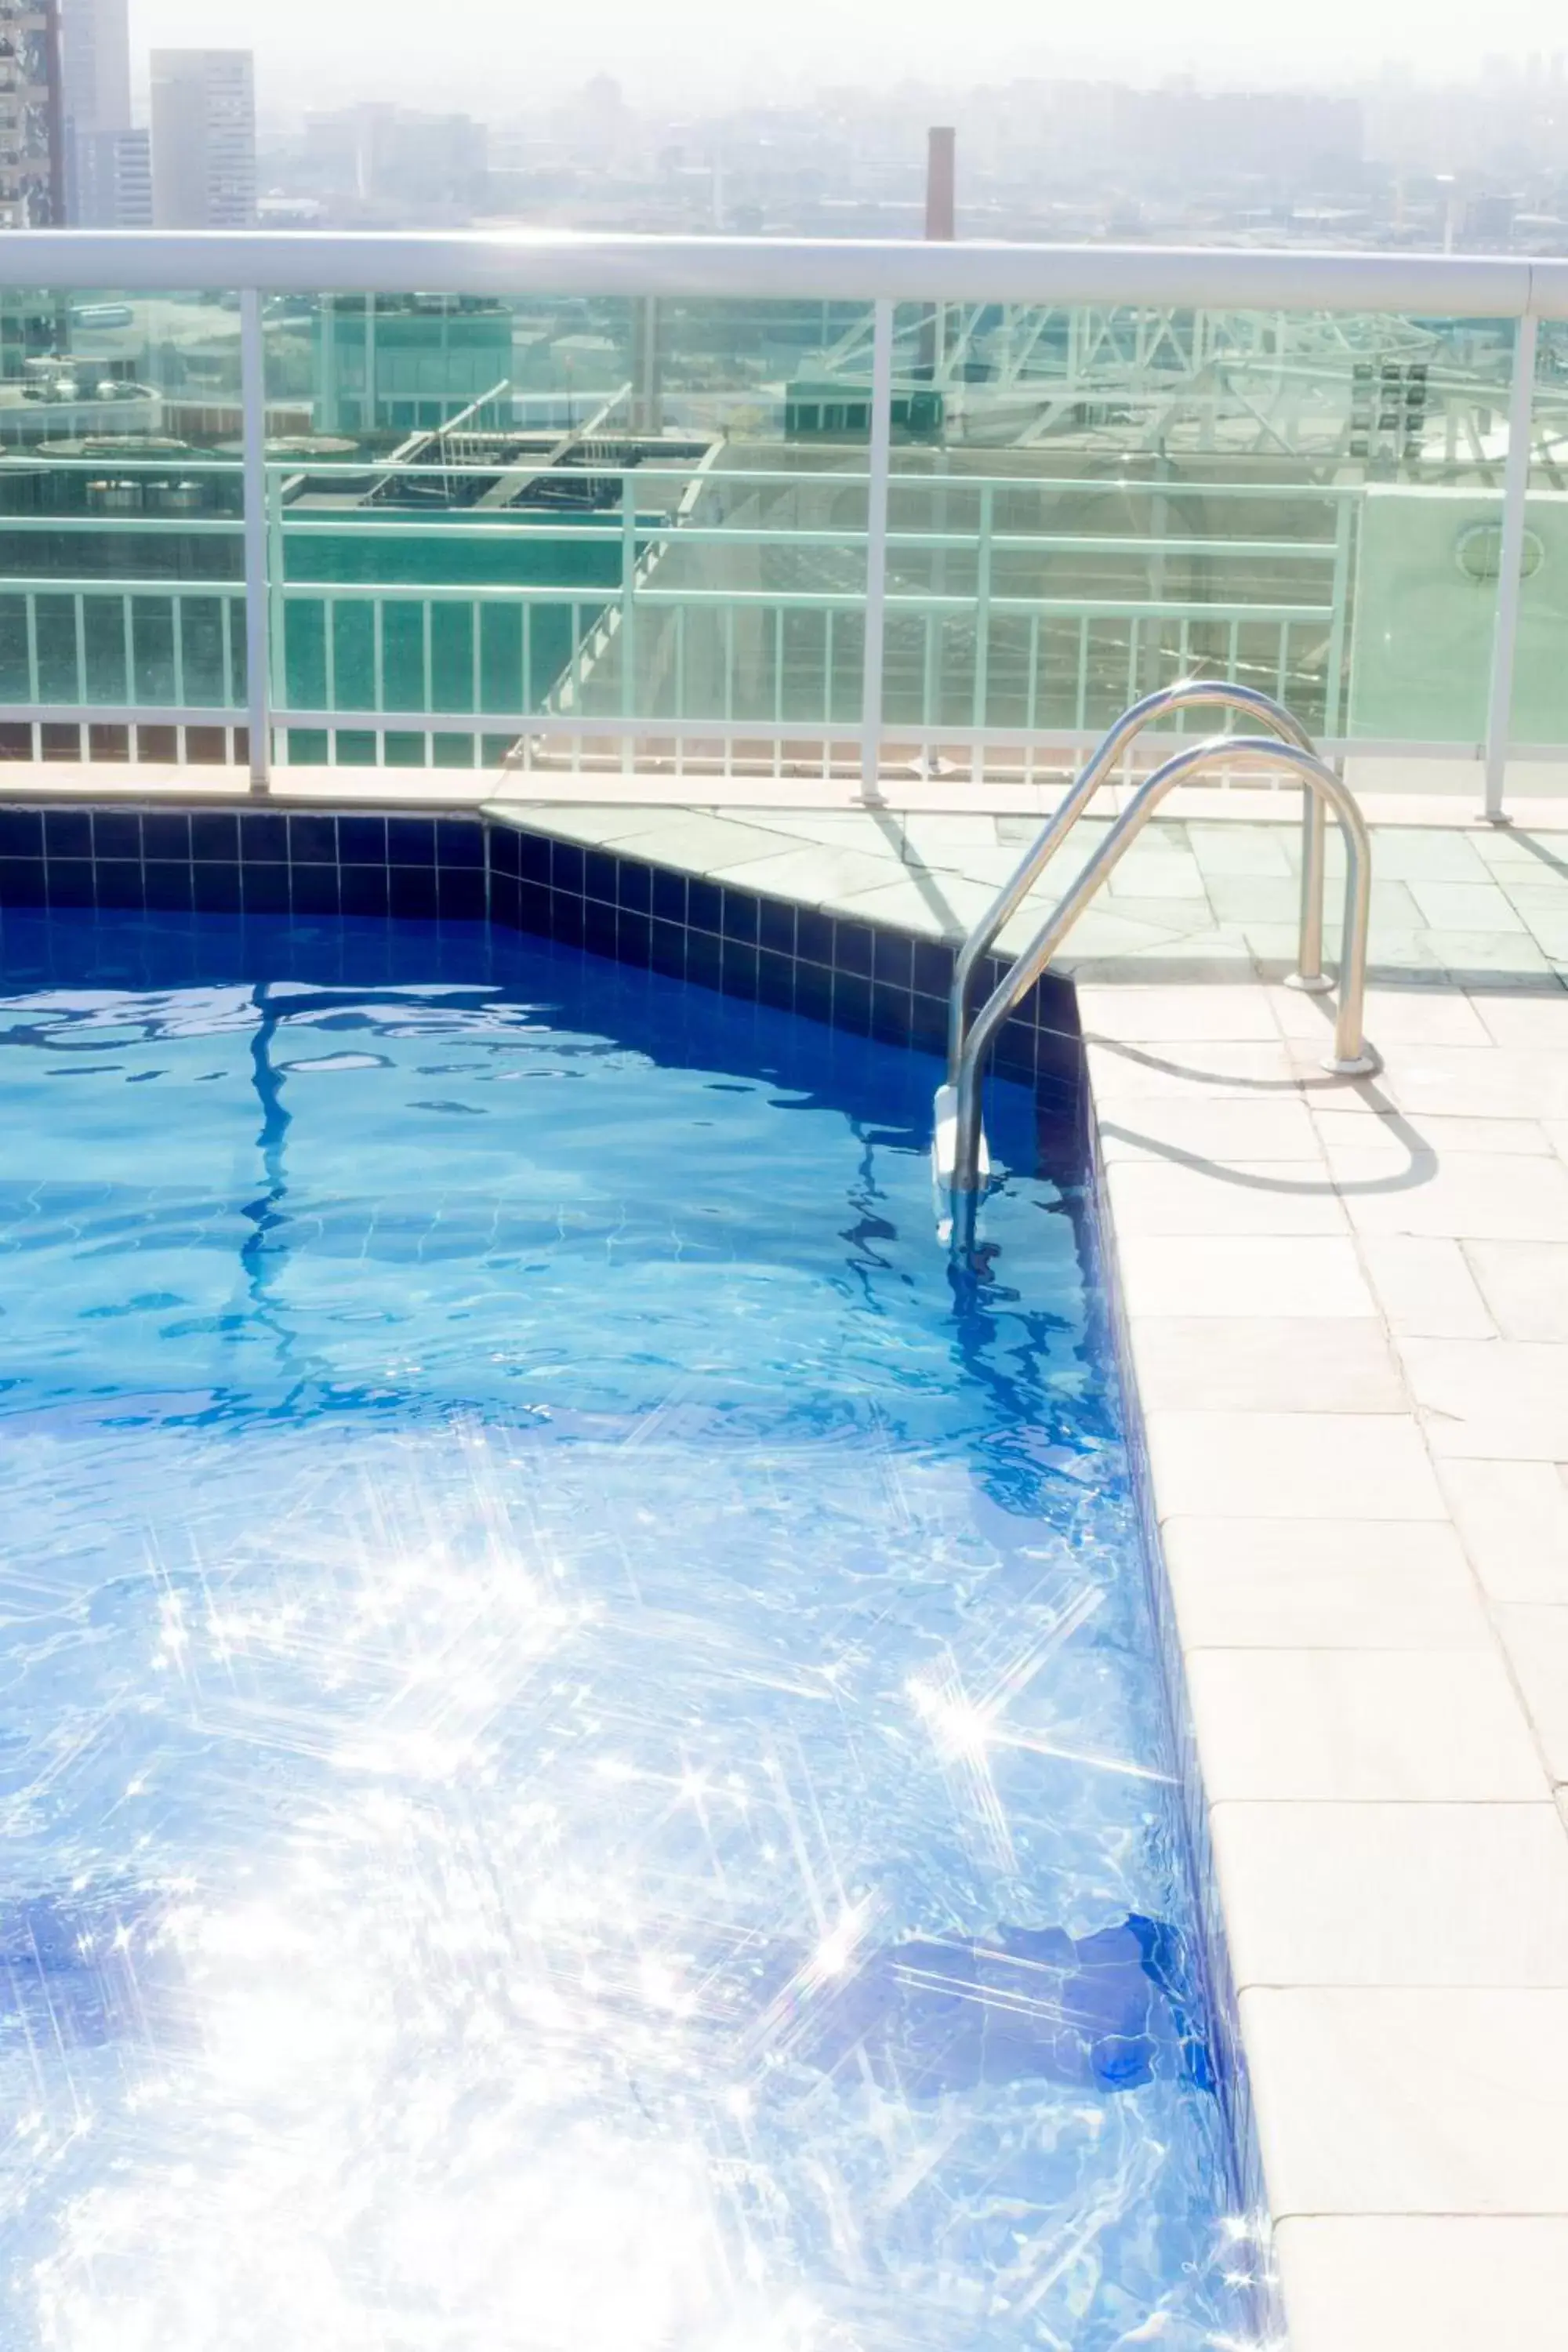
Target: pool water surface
(582, 1765)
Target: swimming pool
(584, 1756)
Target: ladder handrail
(1351, 1057)
(1184, 694)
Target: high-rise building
(203, 139)
(95, 58)
(108, 170)
(32, 138)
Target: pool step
(943, 1142)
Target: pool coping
(1346, 1687)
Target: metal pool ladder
(959, 1150)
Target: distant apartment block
(388, 156)
(107, 161)
(203, 139)
(32, 138)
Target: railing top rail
(518, 262)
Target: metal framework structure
(1281, 384)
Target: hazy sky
(491, 54)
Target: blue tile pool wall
(862, 977)
(1248, 2186)
(243, 861)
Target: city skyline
(719, 59)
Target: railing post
(1309, 973)
(629, 619)
(277, 618)
(876, 549)
(1510, 567)
(982, 630)
(258, 632)
(1334, 683)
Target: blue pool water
(581, 1765)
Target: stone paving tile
(1351, 1127)
(1539, 889)
(1433, 2283)
(1548, 927)
(1498, 1400)
(814, 872)
(1513, 1517)
(1471, 1082)
(1395, 1893)
(1346, 1726)
(1133, 950)
(1276, 1277)
(1166, 918)
(1176, 1013)
(1525, 1285)
(1484, 960)
(1262, 899)
(1273, 946)
(1394, 1016)
(1208, 1133)
(1256, 850)
(1289, 1465)
(1454, 1195)
(1465, 906)
(1218, 1363)
(1407, 957)
(1123, 1073)
(597, 825)
(1279, 1197)
(712, 844)
(931, 906)
(1533, 1020)
(1424, 1287)
(1157, 874)
(1430, 856)
(1413, 2100)
(934, 838)
(1536, 1638)
(1276, 1584)
(1114, 934)
(991, 868)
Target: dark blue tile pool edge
(275, 861)
(1247, 2185)
(872, 980)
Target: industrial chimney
(940, 185)
(942, 227)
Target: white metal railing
(770, 269)
(882, 275)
